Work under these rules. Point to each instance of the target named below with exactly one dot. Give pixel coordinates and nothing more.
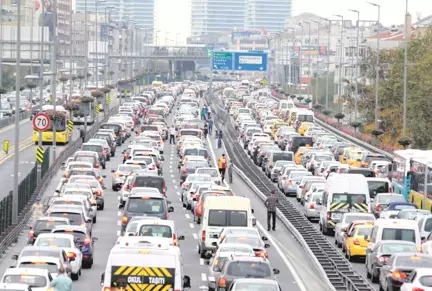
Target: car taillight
(417, 289)
(262, 154)
(119, 175)
(174, 240)
(66, 180)
(31, 234)
(185, 170)
(222, 282)
(87, 241)
(398, 275)
(124, 220)
(328, 215)
(378, 208)
(158, 164)
(71, 255)
(312, 206)
(203, 235)
(97, 166)
(98, 193)
(262, 254)
(382, 260)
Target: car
(120, 174)
(251, 283)
(84, 241)
(419, 279)
(345, 221)
(190, 168)
(36, 279)
(44, 225)
(14, 287)
(97, 189)
(74, 200)
(131, 228)
(255, 241)
(67, 242)
(76, 216)
(382, 200)
(97, 148)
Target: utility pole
(328, 62)
(340, 62)
(377, 66)
(404, 118)
(1, 44)
(53, 79)
(317, 62)
(309, 61)
(300, 56)
(41, 76)
(71, 60)
(17, 121)
(357, 64)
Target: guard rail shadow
(336, 268)
(28, 189)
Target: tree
(300, 98)
(339, 116)
(317, 106)
(356, 124)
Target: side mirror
(253, 211)
(102, 278)
(214, 244)
(276, 271)
(264, 238)
(94, 239)
(170, 209)
(162, 158)
(14, 257)
(112, 171)
(254, 221)
(207, 262)
(266, 246)
(57, 191)
(366, 237)
(104, 176)
(194, 199)
(181, 237)
(186, 282)
(88, 220)
(120, 206)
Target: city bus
(85, 112)
(401, 166)
(60, 123)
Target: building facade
(267, 14)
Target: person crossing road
(271, 204)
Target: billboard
(240, 34)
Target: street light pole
(340, 62)
(53, 79)
(328, 62)
(357, 64)
(1, 44)
(86, 56)
(300, 56)
(41, 76)
(17, 121)
(404, 118)
(71, 54)
(309, 60)
(317, 62)
(377, 67)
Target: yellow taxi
(276, 126)
(299, 154)
(355, 158)
(355, 243)
(343, 159)
(303, 127)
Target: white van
(394, 229)
(220, 212)
(147, 263)
(343, 193)
(245, 83)
(286, 104)
(304, 115)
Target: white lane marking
(172, 176)
(175, 187)
(187, 216)
(180, 201)
(118, 232)
(272, 240)
(195, 236)
(191, 225)
(118, 213)
(202, 262)
(171, 170)
(171, 162)
(204, 277)
(171, 167)
(119, 223)
(178, 194)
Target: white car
(345, 221)
(213, 172)
(67, 243)
(125, 190)
(52, 264)
(36, 279)
(420, 281)
(311, 206)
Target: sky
(173, 16)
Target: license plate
(354, 210)
(336, 215)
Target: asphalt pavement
(284, 253)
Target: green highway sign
(222, 61)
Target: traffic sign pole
(41, 122)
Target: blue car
(83, 240)
(397, 206)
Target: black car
(45, 225)
(118, 130)
(149, 180)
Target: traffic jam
(146, 254)
(344, 189)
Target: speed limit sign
(41, 122)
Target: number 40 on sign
(41, 122)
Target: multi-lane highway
(296, 271)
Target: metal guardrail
(11, 120)
(337, 269)
(11, 232)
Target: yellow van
(343, 159)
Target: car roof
(71, 227)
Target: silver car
(311, 205)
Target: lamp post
(300, 55)
(377, 66)
(71, 58)
(290, 76)
(357, 64)
(54, 70)
(340, 62)
(177, 34)
(97, 44)
(328, 61)
(317, 61)
(31, 36)
(166, 38)
(404, 117)
(86, 53)
(309, 60)
(17, 121)
(156, 37)
(42, 58)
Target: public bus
(401, 166)
(85, 112)
(60, 123)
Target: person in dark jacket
(230, 172)
(271, 204)
(219, 139)
(82, 134)
(210, 125)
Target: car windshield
(387, 199)
(249, 269)
(362, 231)
(83, 173)
(254, 242)
(92, 148)
(155, 230)
(256, 287)
(320, 158)
(398, 234)
(89, 159)
(70, 202)
(414, 262)
(398, 248)
(47, 225)
(147, 206)
(128, 168)
(404, 206)
(376, 187)
(58, 242)
(227, 218)
(74, 218)
(199, 178)
(51, 267)
(212, 172)
(350, 218)
(34, 281)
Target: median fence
(28, 189)
(11, 119)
